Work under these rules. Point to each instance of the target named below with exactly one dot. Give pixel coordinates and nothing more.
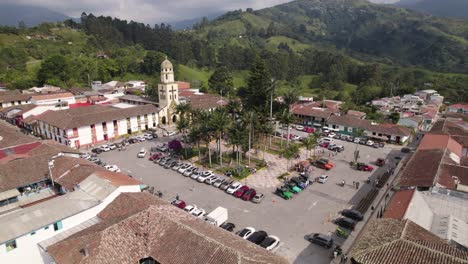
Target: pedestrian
(354, 183)
(357, 185)
(177, 197)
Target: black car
(96, 150)
(352, 214)
(257, 237)
(346, 223)
(132, 141)
(321, 240)
(228, 226)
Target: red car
(308, 129)
(179, 203)
(241, 191)
(364, 167)
(249, 195)
(286, 136)
(155, 156)
(324, 144)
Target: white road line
(313, 204)
(141, 165)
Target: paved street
(308, 212)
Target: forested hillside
(347, 50)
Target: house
(86, 126)
(44, 90)
(393, 241)
(201, 101)
(440, 211)
(29, 229)
(356, 114)
(458, 108)
(136, 100)
(425, 94)
(13, 97)
(436, 162)
(412, 121)
(150, 230)
(310, 115)
(61, 98)
(141, 85)
(384, 132)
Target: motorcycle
(341, 233)
(337, 252)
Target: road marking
(141, 165)
(314, 204)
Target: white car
(148, 136)
(331, 135)
(246, 232)
(211, 179)
(184, 168)
(357, 140)
(270, 242)
(299, 127)
(190, 208)
(234, 187)
(105, 148)
(112, 146)
(190, 171)
(142, 153)
(323, 178)
(195, 175)
(296, 137)
(370, 143)
(170, 133)
(198, 212)
(85, 156)
(177, 166)
(205, 175)
(326, 140)
(112, 168)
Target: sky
(149, 11)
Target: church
(168, 92)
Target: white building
(11, 98)
(26, 231)
(85, 126)
(64, 98)
(168, 91)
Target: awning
(9, 194)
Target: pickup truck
(218, 216)
(324, 164)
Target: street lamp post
(51, 166)
(272, 90)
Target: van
(346, 223)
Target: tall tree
(221, 81)
(256, 94)
(219, 123)
(54, 70)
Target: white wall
(29, 252)
(69, 100)
(419, 211)
(8, 104)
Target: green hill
(447, 8)
(370, 32)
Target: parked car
(170, 133)
(405, 150)
(228, 226)
(321, 240)
(249, 195)
(357, 140)
(370, 143)
(246, 232)
(190, 208)
(364, 167)
(299, 127)
(258, 198)
(334, 147)
(163, 148)
(163, 160)
(177, 166)
(142, 153)
(195, 175)
(211, 179)
(155, 156)
(97, 150)
(380, 162)
(352, 214)
(112, 146)
(345, 223)
(169, 165)
(218, 182)
(94, 159)
(105, 148)
(323, 178)
(132, 141)
(296, 137)
(284, 193)
(185, 167)
(225, 185)
(204, 176)
(270, 242)
(148, 136)
(331, 135)
(257, 237)
(140, 138)
(234, 187)
(350, 138)
(189, 171)
(179, 203)
(240, 191)
(324, 144)
(198, 212)
(308, 129)
(112, 168)
(324, 164)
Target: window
(10, 245)
(33, 233)
(57, 225)
(45, 228)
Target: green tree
(310, 142)
(394, 117)
(54, 70)
(256, 94)
(221, 81)
(151, 64)
(287, 118)
(219, 124)
(289, 153)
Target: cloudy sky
(149, 11)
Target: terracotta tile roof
(432, 141)
(11, 136)
(83, 116)
(115, 178)
(392, 241)
(459, 106)
(356, 114)
(52, 96)
(308, 109)
(14, 95)
(453, 127)
(421, 169)
(23, 108)
(203, 101)
(447, 172)
(389, 129)
(397, 207)
(138, 225)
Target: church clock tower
(168, 91)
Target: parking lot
(310, 211)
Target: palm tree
(182, 125)
(291, 97)
(289, 153)
(287, 118)
(358, 132)
(219, 123)
(182, 109)
(233, 108)
(236, 138)
(195, 136)
(265, 129)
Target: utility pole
(272, 90)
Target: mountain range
(447, 8)
(12, 14)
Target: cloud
(147, 11)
